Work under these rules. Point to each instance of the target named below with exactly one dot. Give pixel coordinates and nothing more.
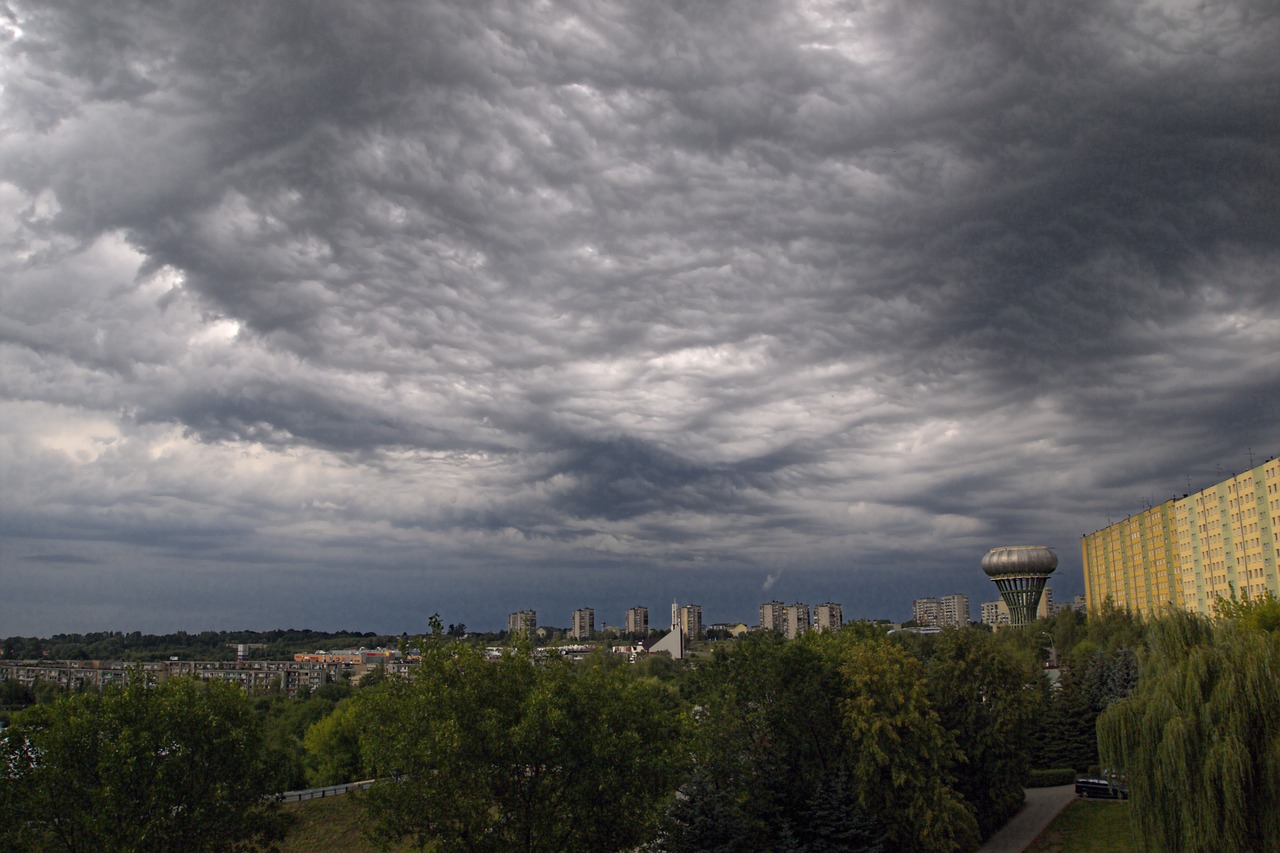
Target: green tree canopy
(519, 754)
(1200, 738)
(177, 766)
(988, 697)
(902, 755)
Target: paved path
(1042, 806)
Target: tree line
(847, 741)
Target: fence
(327, 791)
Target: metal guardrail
(326, 791)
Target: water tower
(1020, 572)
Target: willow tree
(1200, 738)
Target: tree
(707, 816)
(1066, 734)
(832, 821)
(902, 756)
(177, 766)
(333, 745)
(768, 732)
(518, 754)
(1200, 738)
(828, 742)
(988, 697)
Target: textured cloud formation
(336, 313)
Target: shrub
(1051, 778)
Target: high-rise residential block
(1134, 562)
(828, 616)
(796, 622)
(522, 623)
(584, 623)
(1190, 551)
(925, 612)
(638, 620)
(953, 611)
(691, 621)
(773, 616)
(995, 613)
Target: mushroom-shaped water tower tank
(1020, 572)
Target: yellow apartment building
(1190, 551)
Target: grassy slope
(1088, 826)
(330, 825)
(336, 825)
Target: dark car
(1102, 785)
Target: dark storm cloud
(509, 287)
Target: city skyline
(375, 312)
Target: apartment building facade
(773, 616)
(522, 623)
(1190, 551)
(638, 621)
(925, 612)
(828, 616)
(584, 623)
(691, 621)
(796, 620)
(953, 610)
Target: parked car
(1102, 785)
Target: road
(1042, 806)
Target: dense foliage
(517, 754)
(177, 766)
(1200, 736)
(853, 741)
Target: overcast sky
(334, 315)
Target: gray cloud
(621, 300)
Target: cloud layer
(332, 313)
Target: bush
(1051, 778)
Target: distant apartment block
(953, 610)
(925, 612)
(522, 623)
(691, 621)
(293, 678)
(1189, 551)
(638, 620)
(584, 624)
(796, 622)
(996, 613)
(773, 616)
(828, 616)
